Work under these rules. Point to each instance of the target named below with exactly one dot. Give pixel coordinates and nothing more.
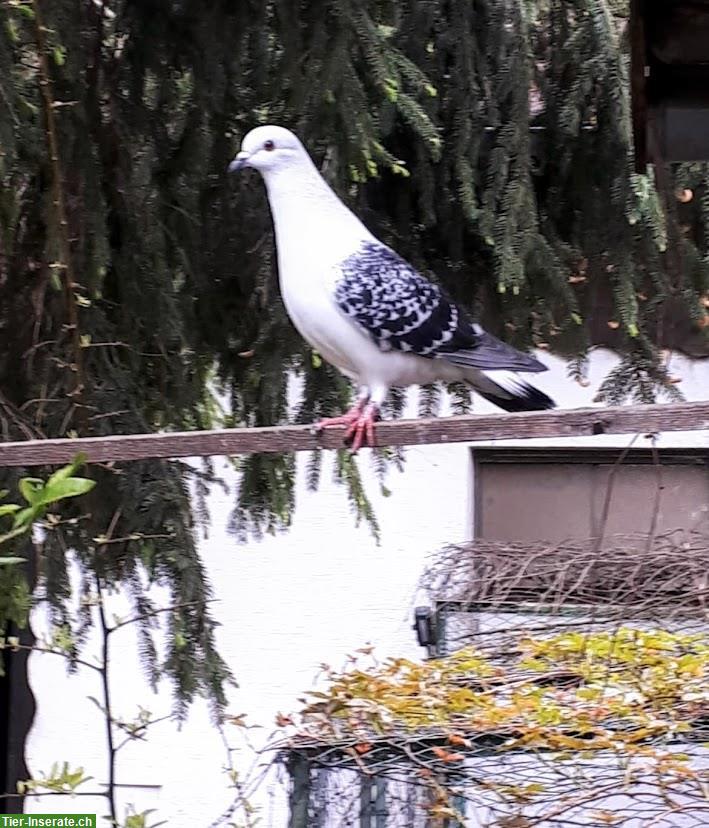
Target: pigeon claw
(360, 422)
(361, 431)
(348, 418)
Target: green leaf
(13, 533)
(386, 31)
(59, 55)
(9, 560)
(29, 488)
(55, 280)
(61, 489)
(12, 30)
(8, 508)
(391, 89)
(62, 639)
(68, 470)
(26, 9)
(23, 518)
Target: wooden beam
(577, 422)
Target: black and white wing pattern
(397, 307)
(403, 311)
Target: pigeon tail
(511, 393)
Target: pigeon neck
(303, 206)
(302, 185)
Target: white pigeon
(362, 307)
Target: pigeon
(362, 307)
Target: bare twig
(105, 682)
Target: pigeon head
(269, 148)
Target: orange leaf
(607, 817)
(282, 720)
(363, 747)
(516, 821)
(444, 755)
(457, 739)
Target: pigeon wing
(402, 311)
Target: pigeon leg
(361, 431)
(351, 416)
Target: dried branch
(59, 201)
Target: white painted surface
(286, 605)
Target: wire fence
(571, 689)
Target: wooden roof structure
(669, 80)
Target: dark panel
(682, 499)
(526, 495)
(669, 45)
(525, 503)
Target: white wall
(286, 605)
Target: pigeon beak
(239, 162)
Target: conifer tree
(488, 141)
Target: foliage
(119, 731)
(15, 598)
(623, 695)
(139, 819)
(59, 780)
(39, 496)
(15, 603)
(652, 680)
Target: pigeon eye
(269, 146)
